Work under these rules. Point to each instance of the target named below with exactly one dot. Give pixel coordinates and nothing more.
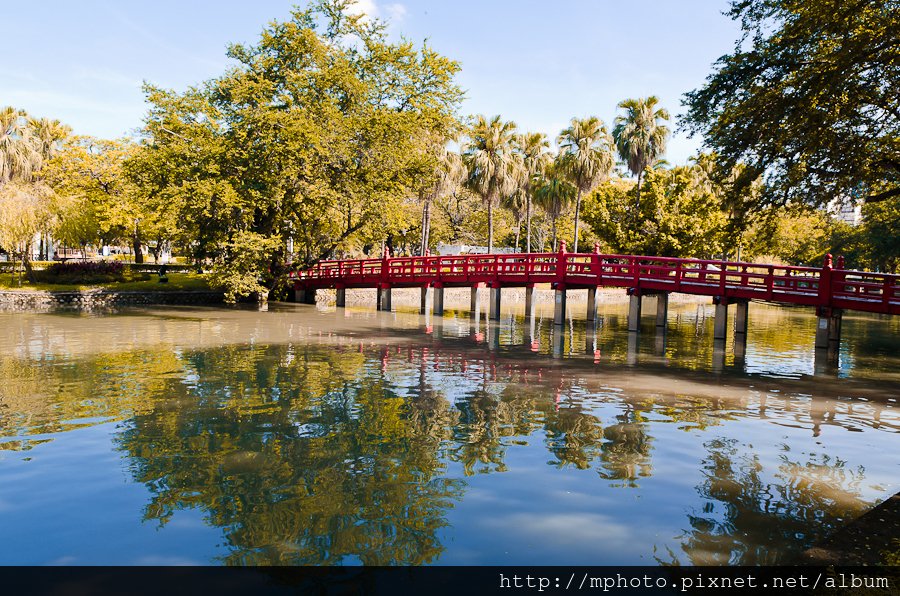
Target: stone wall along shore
(90, 299)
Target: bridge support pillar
(438, 307)
(340, 297)
(306, 296)
(741, 318)
(592, 304)
(529, 300)
(559, 306)
(828, 329)
(474, 300)
(634, 312)
(662, 311)
(494, 308)
(423, 303)
(720, 326)
(383, 298)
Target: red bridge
(830, 289)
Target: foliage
(639, 136)
(82, 272)
(315, 137)
(586, 157)
(237, 269)
(494, 170)
(677, 216)
(808, 98)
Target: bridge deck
(824, 287)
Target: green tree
(18, 157)
(535, 159)
(449, 174)
(808, 98)
(493, 170)
(554, 193)
(640, 136)
(677, 216)
(312, 141)
(585, 150)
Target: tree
(554, 193)
(535, 159)
(489, 156)
(585, 150)
(313, 141)
(808, 99)
(639, 135)
(449, 174)
(677, 217)
(18, 158)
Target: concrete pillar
(383, 299)
(720, 326)
(741, 319)
(828, 329)
(494, 310)
(718, 356)
(559, 306)
(438, 301)
(423, 303)
(474, 300)
(634, 313)
(631, 356)
(340, 297)
(592, 304)
(558, 337)
(659, 343)
(662, 311)
(529, 301)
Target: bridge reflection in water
(831, 290)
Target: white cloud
(395, 13)
(364, 7)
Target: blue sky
(538, 63)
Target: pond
(308, 436)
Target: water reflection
(335, 438)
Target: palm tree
(640, 136)
(18, 157)
(553, 193)
(47, 136)
(585, 151)
(489, 157)
(535, 159)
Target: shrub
(82, 272)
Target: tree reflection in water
(310, 454)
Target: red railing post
(825, 283)
(561, 264)
(887, 291)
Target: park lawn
(177, 282)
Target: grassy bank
(177, 282)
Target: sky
(538, 63)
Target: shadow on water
(318, 437)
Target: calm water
(312, 436)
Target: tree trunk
(490, 225)
(427, 227)
(26, 263)
(554, 235)
(528, 223)
(577, 214)
(637, 206)
(136, 244)
(423, 240)
(518, 233)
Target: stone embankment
(90, 299)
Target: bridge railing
(782, 283)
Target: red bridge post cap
(562, 246)
(596, 248)
(840, 262)
(828, 263)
